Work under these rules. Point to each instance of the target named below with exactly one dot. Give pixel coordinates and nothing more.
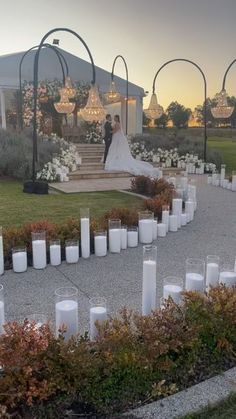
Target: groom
(107, 135)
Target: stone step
(87, 147)
(91, 159)
(91, 166)
(97, 174)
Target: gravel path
(119, 277)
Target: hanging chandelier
(93, 110)
(69, 90)
(64, 105)
(222, 110)
(154, 110)
(112, 95)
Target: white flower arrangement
(171, 158)
(66, 161)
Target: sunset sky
(147, 33)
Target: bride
(119, 157)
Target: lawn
(224, 410)
(227, 148)
(17, 207)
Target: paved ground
(92, 185)
(119, 277)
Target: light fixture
(70, 91)
(222, 110)
(64, 105)
(154, 110)
(93, 111)
(112, 95)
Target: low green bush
(136, 359)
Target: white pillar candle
(154, 231)
(173, 222)
(115, 240)
(123, 233)
(189, 209)
(184, 182)
(228, 278)
(217, 182)
(2, 316)
(67, 315)
(161, 230)
(149, 287)
(100, 245)
(183, 219)
(209, 180)
(173, 291)
(188, 217)
(85, 237)
(229, 186)
(1, 255)
(132, 238)
(39, 254)
(194, 282)
(55, 254)
(165, 218)
(145, 231)
(72, 254)
(225, 183)
(19, 261)
(96, 314)
(212, 274)
(177, 209)
(234, 183)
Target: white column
(3, 109)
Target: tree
(146, 120)
(211, 121)
(178, 114)
(162, 121)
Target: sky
(146, 32)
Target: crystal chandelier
(70, 91)
(154, 110)
(222, 110)
(64, 106)
(93, 111)
(112, 95)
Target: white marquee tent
(79, 70)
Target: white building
(79, 70)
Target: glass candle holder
(189, 209)
(2, 311)
(173, 223)
(39, 249)
(55, 252)
(209, 180)
(222, 172)
(227, 276)
(72, 251)
(132, 236)
(195, 273)
(183, 219)
(85, 232)
(212, 271)
(38, 318)
(1, 253)
(233, 185)
(145, 227)
(165, 216)
(173, 287)
(66, 310)
(154, 231)
(161, 230)
(19, 259)
(98, 313)
(114, 236)
(149, 279)
(177, 204)
(124, 237)
(100, 243)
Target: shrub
(150, 187)
(155, 205)
(127, 216)
(135, 358)
(141, 185)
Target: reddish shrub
(127, 216)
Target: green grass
(17, 208)
(223, 410)
(227, 148)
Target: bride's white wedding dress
(120, 159)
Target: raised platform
(92, 185)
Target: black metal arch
(62, 61)
(127, 87)
(205, 93)
(36, 64)
(227, 70)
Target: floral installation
(48, 90)
(94, 133)
(171, 158)
(66, 161)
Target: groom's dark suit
(107, 138)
